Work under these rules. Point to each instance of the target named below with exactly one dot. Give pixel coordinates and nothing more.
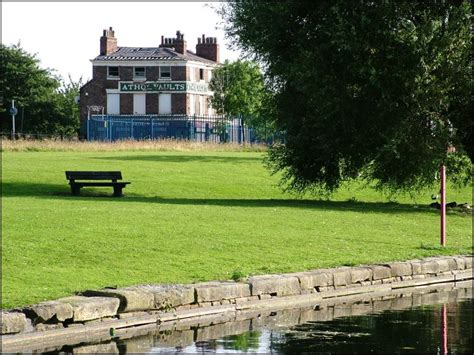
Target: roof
(150, 53)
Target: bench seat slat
(99, 183)
(93, 175)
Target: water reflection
(418, 330)
(410, 323)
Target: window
(201, 74)
(139, 106)
(164, 104)
(113, 104)
(165, 72)
(113, 72)
(139, 72)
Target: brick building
(164, 80)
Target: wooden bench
(95, 178)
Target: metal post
(443, 205)
(13, 119)
(111, 122)
(151, 125)
(88, 123)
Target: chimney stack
(178, 43)
(208, 48)
(108, 42)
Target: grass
(58, 145)
(192, 215)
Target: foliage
(374, 88)
(46, 103)
(202, 214)
(239, 90)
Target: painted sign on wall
(170, 86)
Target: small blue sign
(13, 111)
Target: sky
(65, 36)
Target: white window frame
(113, 77)
(165, 77)
(139, 100)
(139, 77)
(161, 109)
(113, 106)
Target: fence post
(111, 122)
(151, 127)
(87, 129)
(131, 129)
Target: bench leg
(117, 191)
(76, 190)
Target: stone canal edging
(137, 305)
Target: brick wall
(94, 92)
(178, 104)
(151, 104)
(178, 73)
(126, 73)
(126, 104)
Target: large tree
(46, 103)
(374, 88)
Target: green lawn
(191, 216)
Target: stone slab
(460, 263)
(361, 274)
(400, 269)
(89, 308)
(311, 279)
(280, 285)
(468, 261)
(131, 299)
(429, 267)
(342, 277)
(170, 296)
(216, 291)
(13, 322)
(446, 265)
(380, 272)
(45, 311)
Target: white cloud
(65, 36)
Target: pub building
(164, 80)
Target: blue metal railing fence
(143, 127)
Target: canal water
(435, 321)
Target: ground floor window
(113, 104)
(164, 104)
(139, 107)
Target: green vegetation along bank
(194, 216)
